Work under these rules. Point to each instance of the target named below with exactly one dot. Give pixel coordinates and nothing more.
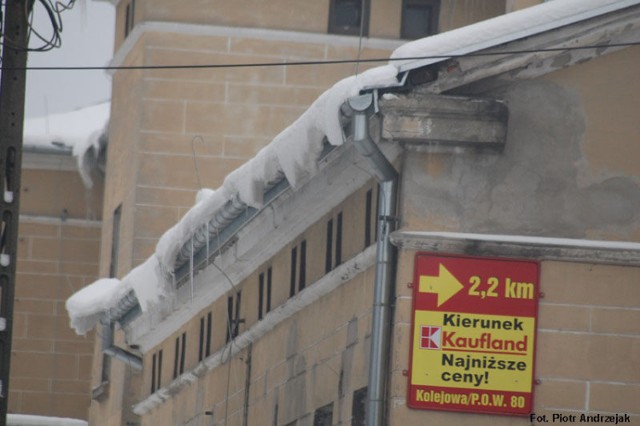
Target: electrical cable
(320, 62)
(53, 11)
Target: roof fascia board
(617, 28)
(569, 17)
(57, 221)
(49, 160)
(340, 174)
(120, 56)
(541, 248)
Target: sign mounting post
(474, 334)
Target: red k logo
(430, 337)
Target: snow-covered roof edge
(82, 132)
(503, 29)
(295, 150)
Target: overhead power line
(319, 62)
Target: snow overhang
(294, 152)
(81, 133)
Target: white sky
(87, 40)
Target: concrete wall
(58, 250)
(566, 171)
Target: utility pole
(12, 87)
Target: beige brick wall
(299, 364)
(307, 361)
(51, 365)
(385, 16)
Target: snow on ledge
(31, 420)
(521, 239)
(78, 130)
(547, 248)
(87, 306)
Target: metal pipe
(387, 176)
(113, 351)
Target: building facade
(58, 251)
(264, 304)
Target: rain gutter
(387, 177)
(49, 150)
(208, 240)
(126, 307)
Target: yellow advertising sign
(474, 330)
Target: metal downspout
(387, 176)
(113, 351)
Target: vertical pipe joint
(110, 349)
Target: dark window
(207, 348)
(176, 359)
(154, 366)
(159, 379)
(419, 18)
(183, 350)
(377, 216)
(367, 218)
(201, 341)
(156, 371)
(339, 239)
(264, 293)
(348, 17)
(333, 253)
(328, 256)
(115, 241)
(129, 16)
(233, 316)
(204, 346)
(275, 415)
(260, 294)
(269, 274)
(323, 416)
(294, 263)
(358, 407)
(302, 280)
(298, 268)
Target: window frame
(115, 240)
(433, 25)
(333, 27)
